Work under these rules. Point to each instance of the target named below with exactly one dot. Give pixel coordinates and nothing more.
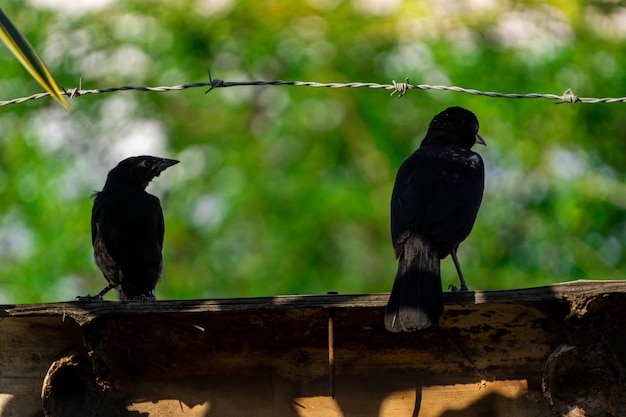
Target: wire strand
(401, 88)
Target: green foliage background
(285, 190)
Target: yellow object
(25, 53)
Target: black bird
(435, 199)
(127, 229)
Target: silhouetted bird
(434, 203)
(127, 228)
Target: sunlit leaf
(25, 53)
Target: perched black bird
(127, 228)
(434, 203)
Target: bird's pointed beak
(480, 140)
(165, 163)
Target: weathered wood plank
(85, 310)
(495, 353)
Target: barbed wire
(401, 88)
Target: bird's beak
(480, 140)
(165, 163)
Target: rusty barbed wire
(397, 87)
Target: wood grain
(527, 352)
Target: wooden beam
(512, 353)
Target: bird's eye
(143, 164)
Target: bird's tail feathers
(416, 300)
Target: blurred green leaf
(286, 190)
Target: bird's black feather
(435, 200)
(127, 228)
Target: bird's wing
(437, 196)
(456, 204)
(408, 209)
(141, 225)
(159, 222)
(95, 212)
(129, 225)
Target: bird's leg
(97, 297)
(105, 290)
(458, 269)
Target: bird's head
(137, 171)
(460, 121)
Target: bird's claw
(454, 288)
(89, 297)
(142, 297)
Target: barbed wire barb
(213, 83)
(400, 88)
(74, 92)
(569, 97)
